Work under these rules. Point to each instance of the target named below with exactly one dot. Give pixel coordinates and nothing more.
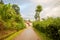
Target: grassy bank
(41, 35)
(6, 35)
(13, 35)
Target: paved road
(27, 34)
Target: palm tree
(38, 10)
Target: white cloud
(42, 1)
(50, 7)
(50, 11)
(55, 12)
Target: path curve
(27, 34)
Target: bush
(50, 27)
(52, 32)
(10, 20)
(39, 27)
(19, 26)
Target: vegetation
(16, 8)
(50, 27)
(11, 22)
(5, 36)
(38, 10)
(10, 18)
(1, 2)
(11, 37)
(41, 35)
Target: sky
(51, 8)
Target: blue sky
(27, 7)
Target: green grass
(14, 35)
(41, 35)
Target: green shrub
(52, 32)
(50, 27)
(10, 18)
(39, 27)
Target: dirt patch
(6, 32)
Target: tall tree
(38, 10)
(16, 8)
(1, 2)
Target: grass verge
(14, 35)
(41, 35)
(5, 36)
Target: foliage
(9, 18)
(11, 37)
(16, 8)
(38, 10)
(52, 32)
(49, 26)
(7, 35)
(1, 2)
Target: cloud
(51, 12)
(55, 12)
(50, 7)
(43, 1)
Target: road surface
(27, 34)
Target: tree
(6, 12)
(38, 10)
(1, 2)
(9, 18)
(16, 8)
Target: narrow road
(27, 34)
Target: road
(27, 34)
